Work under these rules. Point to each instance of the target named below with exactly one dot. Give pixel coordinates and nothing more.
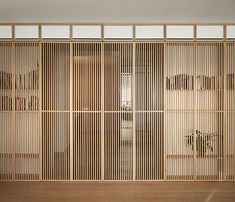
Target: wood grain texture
(119, 191)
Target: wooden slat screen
(209, 104)
(117, 110)
(55, 109)
(230, 109)
(27, 137)
(56, 146)
(149, 81)
(6, 112)
(118, 125)
(87, 111)
(180, 108)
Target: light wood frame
(224, 110)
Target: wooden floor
(117, 191)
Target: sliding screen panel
(55, 76)
(87, 76)
(210, 135)
(230, 146)
(118, 146)
(149, 146)
(230, 48)
(27, 143)
(149, 79)
(27, 76)
(6, 146)
(55, 146)
(118, 75)
(180, 144)
(87, 146)
(180, 76)
(6, 133)
(230, 115)
(209, 146)
(209, 76)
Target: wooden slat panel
(209, 142)
(87, 77)
(180, 74)
(118, 146)
(55, 146)
(149, 76)
(149, 146)
(27, 146)
(179, 143)
(6, 118)
(179, 106)
(230, 107)
(118, 70)
(87, 146)
(210, 135)
(55, 76)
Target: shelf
(185, 156)
(27, 156)
(181, 90)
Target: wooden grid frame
(227, 54)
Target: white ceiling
(117, 11)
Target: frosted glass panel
(55, 32)
(117, 32)
(5, 32)
(27, 32)
(87, 32)
(231, 32)
(180, 32)
(149, 32)
(210, 32)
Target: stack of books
(27, 81)
(5, 103)
(180, 82)
(5, 80)
(209, 82)
(31, 103)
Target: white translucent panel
(149, 32)
(209, 32)
(87, 32)
(180, 32)
(28, 32)
(231, 32)
(117, 32)
(5, 32)
(55, 32)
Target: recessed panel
(118, 32)
(210, 32)
(55, 32)
(149, 32)
(26, 32)
(87, 32)
(5, 32)
(179, 32)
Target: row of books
(21, 103)
(209, 82)
(27, 81)
(31, 103)
(203, 82)
(5, 103)
(5, 80)
(180, 82)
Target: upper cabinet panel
(118, 32)
(55, 32)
